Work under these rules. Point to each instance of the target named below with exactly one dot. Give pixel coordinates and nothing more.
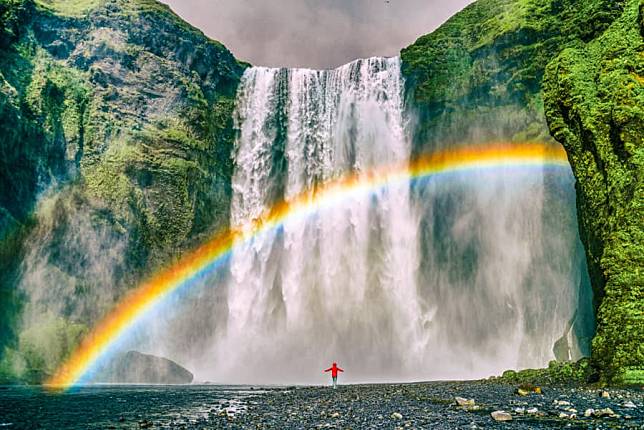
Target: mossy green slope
(480, 77)
(594, 96)
(122, 113)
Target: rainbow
(201, 261)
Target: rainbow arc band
(128, 311)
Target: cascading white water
(360, 283)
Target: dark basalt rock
(134, 367)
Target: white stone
(501, 416)
(461, 401)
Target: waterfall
(405, 283)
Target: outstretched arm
(340, 370)
(329, 369)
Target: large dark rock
(134, 367)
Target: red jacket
(334, 370)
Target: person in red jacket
(334, 373)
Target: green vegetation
(72, 8)
(130, 126)
(40, 350)
(594, 97)
(556, 373)
(481, 77)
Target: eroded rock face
(134, 367)
(118, 115)
(480, 77)
(594, 99)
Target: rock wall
(594, 98)
(480, 77)
(116, 125)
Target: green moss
(135, 129)
(40, 350)
(480, 77)
(594, 105)
(556, 373)
(72, 8)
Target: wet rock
(134, 367)
(604, 394)
(501, 416)
(396, 416)
(335, 415)
(589, 412)
(630, 405)
(532, 411)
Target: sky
(314, 33)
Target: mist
(313, 33)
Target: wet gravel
(394, 406)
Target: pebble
(589, 412)
(461, 401)
(605, 394)
(630, 405)
(397, 416)
(501, 416)
(532, 411)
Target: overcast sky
(314, 33)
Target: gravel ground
(394, 406)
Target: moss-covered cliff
(115, 115)
(594, 98)
(480, 77)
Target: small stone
(630, 405)
(335, 415)
(589, 412)
(519, 411)
(606, 412)
(563, 415)
(396, 416)
(461, 401)
(561, 403)
(604, 394)
(501, 416)
(532, 410)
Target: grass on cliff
(70, 7)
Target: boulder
(134, 367)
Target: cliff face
(116, 117)
(594, 98)
(478, 77)
(481, 77)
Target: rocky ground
(430, 405)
